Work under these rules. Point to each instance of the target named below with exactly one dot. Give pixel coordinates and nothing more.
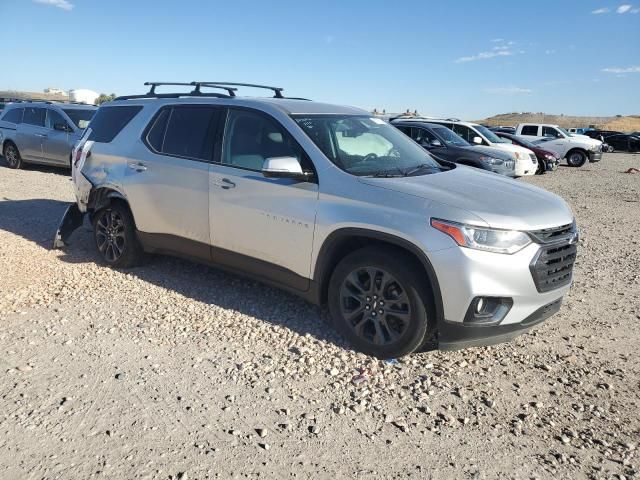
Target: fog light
(488, 310)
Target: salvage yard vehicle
(576, 149)
(327, 202)
(42, 132)
(444, 144)
(547, 160)
(525, 160)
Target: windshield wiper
(417, 168)
(388, 174)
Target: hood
(510, 147)
(490, 151)
(500, 201)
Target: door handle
(227, 184)
(42, 135)
(138, 166)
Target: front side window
(14, 115)
(465, 132)
(54, 118)
(450, 138)
(365, 146)
(80, 118)
(251, 138)
(551, 132)
(34, 116)
(422, 135)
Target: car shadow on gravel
(36, 220)
(65, 172)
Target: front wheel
(378, 301)
(115, 236)
(542, 167)
(12, 156)
(576, 158)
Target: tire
(114, 232)
(12, 156)
(542, 167)
(378, 301)
(576, 158)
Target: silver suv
(42, 132)
(330, 203)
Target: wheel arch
(576, 149)
(342, 242)
(102, 196)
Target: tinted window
(550, 132)
(530, 130)
(251, 138)
(14, 115)
(34, 116)
(155, 137)
(464, 132)
(421, 135)
(54, 117)
(188, 132)
(109, 121)
(80, 118)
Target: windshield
(451, 138)
(520, 141)
(80, 118)
(367, 146)
(489, 135)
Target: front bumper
(455, 335)
(595, 156)
(465, 274)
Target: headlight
(487, 239)
(491, 160)
(548, 156)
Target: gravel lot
(174, 370)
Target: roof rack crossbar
(277, 91)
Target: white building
(83, 95)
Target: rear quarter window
(14, 115)
(109, 122)
(531, 130)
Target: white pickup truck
(576, 149)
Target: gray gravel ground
(174, 370)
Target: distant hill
(624, 124)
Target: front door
(261, 225)
(31, 134)
(167, 179)
(57, 144)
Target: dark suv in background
(444, 144)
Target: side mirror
(62, 127)
(283, 167)
(477, 140)
(436, 143)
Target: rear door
(167, 184)
(31, 133)
(57, 143)
(261, 225)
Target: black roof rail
(277, 91)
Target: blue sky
(467, 58)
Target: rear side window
(34, 116)
(155, 137)
(531, 130)
(188, 131)
(109, 122)
(14, 115)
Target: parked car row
(334, 205)
(42, 132)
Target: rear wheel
(115, 236)
(379, 302)
(576, 158)
(12, 156)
